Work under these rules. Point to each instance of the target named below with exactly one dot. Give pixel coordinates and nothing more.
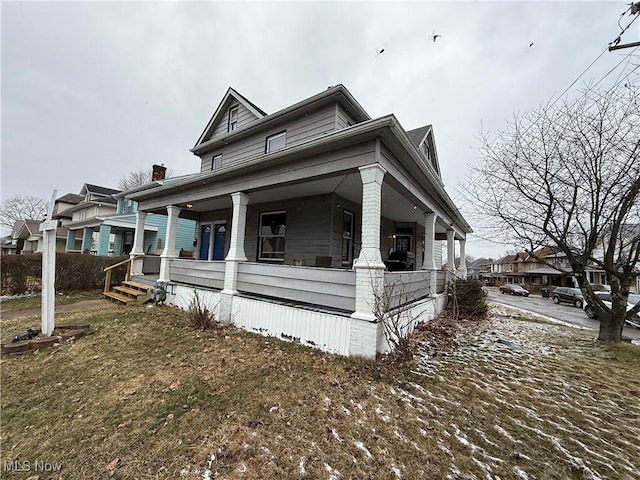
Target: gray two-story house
(304, 215)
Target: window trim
(270, 138)
(232, 124)
(213, 162)
(260, 237)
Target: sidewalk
(71, 307)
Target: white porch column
(429, 261)
(451, 255)
(366, 331)
(463, 263)
(235, 256)
(170, 242)
(138, 244)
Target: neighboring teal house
(103, 222)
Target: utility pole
(634, 9)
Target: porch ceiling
(395, 206)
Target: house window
(347, 238)
(426, 150)
(233, 119)
(276, 142)
(273, 226)
(82, 214)
(216, 162)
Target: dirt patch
(72, 307)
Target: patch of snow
(396, 471)
(333, 473)
(521, 473)
(335, 435)
(207, 472)
(360, 446)
(301, 469)
(385, 418)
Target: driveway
(563, 312)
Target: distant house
(303, 215)
(101, 221)
(28, 232)
(8, 245)
(480, 270)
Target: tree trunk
(611, 329)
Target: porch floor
(146, 279)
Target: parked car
(606, 299)
(514, 289)
(568, 295)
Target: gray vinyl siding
(342, 118)
(300, 130)
(308, 225)
(245, 117)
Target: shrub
(200, 316)
(74, 272)
(468, 299)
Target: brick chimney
(159, 172)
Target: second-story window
(276, 142)
(233, 119)
(216, 162)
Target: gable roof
(70, 198)
(221, 111)
(425, 134)
(29, 227)
(89, 188)
(337, 93)
(417, 135)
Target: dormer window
(233, 119)
(276, 142)
(426, 150)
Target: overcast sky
(92, 91)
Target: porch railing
(108, 270)
(408, 285)
(204, 273)
(319, 286)
(441, 281)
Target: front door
(205, 241)
(218, 241)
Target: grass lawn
(148, 397)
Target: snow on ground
(501, 404)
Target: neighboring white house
(303, 215)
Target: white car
(606, 299)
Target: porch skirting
(337, 332)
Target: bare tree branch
(569, 176)
(22, 207)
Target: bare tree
(137, 178)
(568, 175)
(21, 207)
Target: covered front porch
(323, 249)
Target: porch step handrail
(107, 270)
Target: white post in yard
(48, 228)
